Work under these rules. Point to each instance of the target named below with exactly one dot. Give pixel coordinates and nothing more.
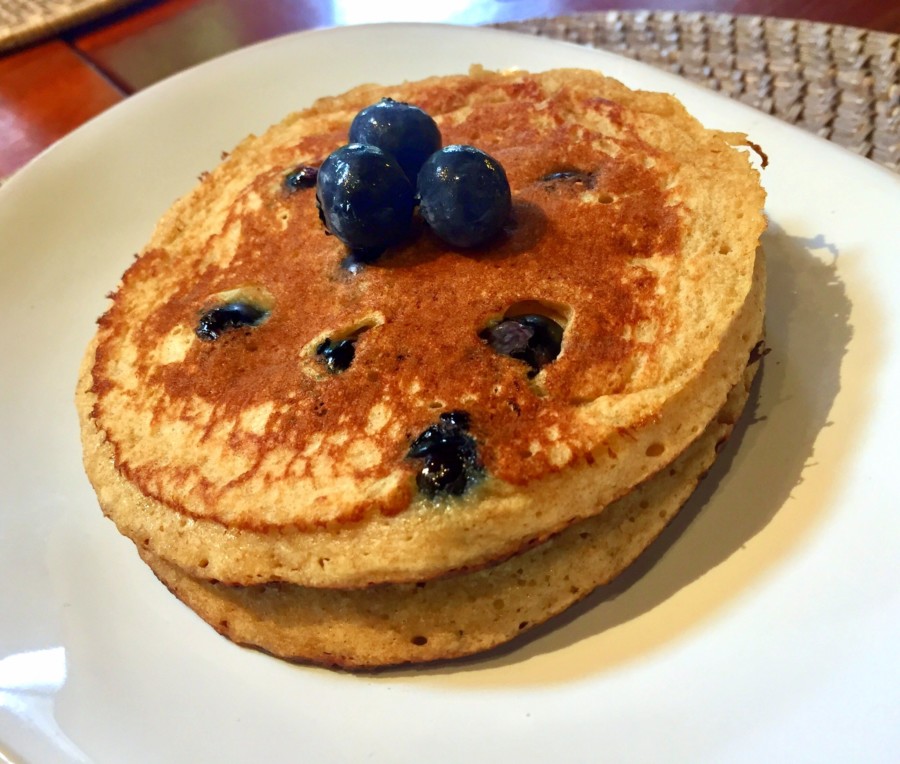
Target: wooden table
(50, 88)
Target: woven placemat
(842, 83)
(25, 21)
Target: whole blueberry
(222, 318)
(402, 130)
(464, 195)
(364, 197)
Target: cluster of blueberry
(368, 190)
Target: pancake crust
(243, 461)
(458, 615)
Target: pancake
(244, 461)
(457, 615)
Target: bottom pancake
(463, 614)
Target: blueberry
(464, 195)
(231, 316)
(509, 337)
(569, 176)
(337, 355)
(302, 176)
(364, 198)
(425, 443)
(547, 339)
(450, 456)
(404, 131)
(444, 471)
(435, 438)
(450, 429)
(532, 338)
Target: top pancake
(243, 460)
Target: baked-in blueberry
(364, 197)
(233, 315)
(464, 195)
(302, 176)
(551, 177)
(450, 456)
(532, 338)
(337, 356)
(401, 129)
(444, 471)
(569, 176)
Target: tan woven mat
(24, 21)
(839, 82)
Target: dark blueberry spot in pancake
(533, 338)
(450, 431)
(444, 471)
(337, 356)
(222, 318)
(569, 176)
(433, 439)
(509, 337)
(302, 176)
(450, 456)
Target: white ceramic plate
(763, 627)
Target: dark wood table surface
(50, 88)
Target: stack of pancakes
(277, 499)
